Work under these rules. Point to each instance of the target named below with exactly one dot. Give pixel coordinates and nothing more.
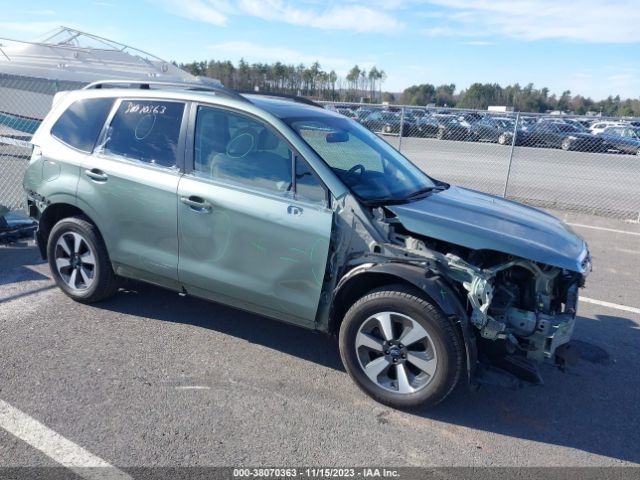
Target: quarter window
(235, 148)
(146, 130)
(80, 125)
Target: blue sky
(590, 47)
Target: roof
(289, 108)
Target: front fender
(435, 287)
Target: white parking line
(610, 305)
(56, 447)
(604, 229)
(193, 387)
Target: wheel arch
(52, 215)
(364, 278)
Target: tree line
(299, 79)
(360, 84)
(523, 99)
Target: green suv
(288, 210)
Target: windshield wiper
(376, 202)
(423, 191)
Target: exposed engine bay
(522, 312)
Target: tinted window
(235, 148)
(80, 125)
(146, 130)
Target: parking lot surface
(149, 378)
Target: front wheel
(400, 349)
(79, 261)
(566, 144)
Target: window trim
(100, 132)
(179, 167)
(189, 158)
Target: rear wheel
(440, 134)
(566, 144)
(400, 349)
(79, 261)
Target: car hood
(484, 222)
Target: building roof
(70, 55)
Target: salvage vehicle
(300, 214)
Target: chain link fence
(583, 164)
(24, 102)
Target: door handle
(294, 210)
(97, 175)
(197, 204)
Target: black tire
(502, 139)
(104, 282)
(566, 145)
(440, 134)
(444, 336)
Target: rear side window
(80, 125)
(146, 130)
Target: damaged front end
(523, 312)
(518, 312)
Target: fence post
(401, 128)
(513, 144)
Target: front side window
(235, 148)
(146, 130)
(80, 125)
(369, 166)
(308, 186)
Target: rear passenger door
(251, 233)
(128, 187)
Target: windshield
(368, 165)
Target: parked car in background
(622, 140)
(599, 127)
(385, 121)
(490, 129)
(560, 135)
(347, 112)
(450, 128)
(426, 126)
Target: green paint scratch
(289, 259)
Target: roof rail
(294, 98)
(218, 89)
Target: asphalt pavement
(149, 378)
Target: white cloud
(353, 17)
(208, 11)
(593, 21)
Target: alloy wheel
(75, 261)
(396, 352)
